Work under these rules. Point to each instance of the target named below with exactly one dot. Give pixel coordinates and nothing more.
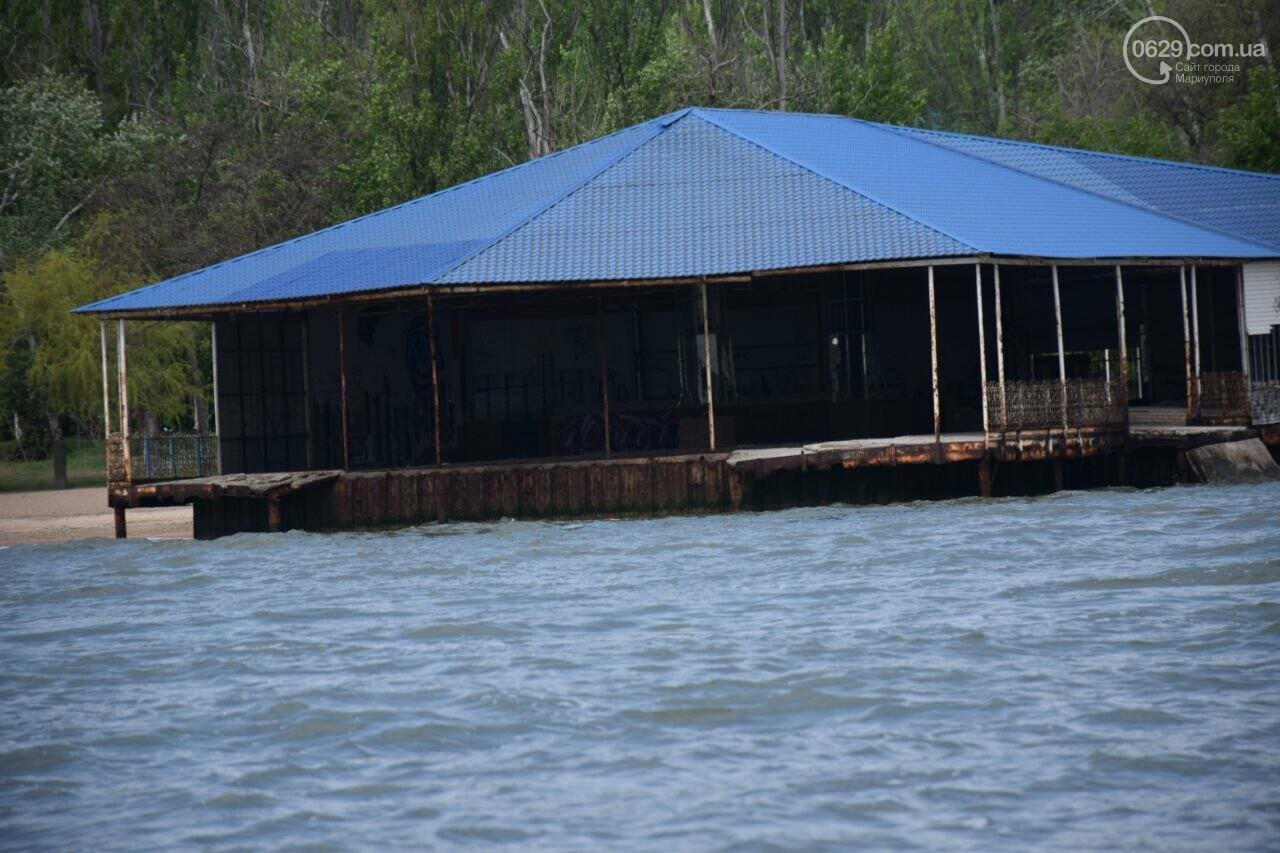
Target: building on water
(723, 309)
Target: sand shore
(60, 516)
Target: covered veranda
(1018, 352)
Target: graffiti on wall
(627, 433)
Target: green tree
(54, 149)
(59, 353)
(1250, 128)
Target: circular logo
(1154, 53)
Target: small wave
(36, 758)
(456, 630)
(1135, 717)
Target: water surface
(1091, 670)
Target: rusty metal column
(122, 377)
(106, 387)
(1062, 356)
(706, 352)
(275, 516)
(603, 356)
(1004, 411)
(1243, 331)
(435, 376)
(1195, 336)
(1124, 346)
(1123, 335)
(1186, 345)
(217, 402)
(982, 345)
(342, 373)
(933, 353)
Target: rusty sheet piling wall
(664, 485)
(371, 500)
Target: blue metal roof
(705, 192)
(1242, 204)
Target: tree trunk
(200, 413)
(199, 406)
(58, 450)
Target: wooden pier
(858, 471)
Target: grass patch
(86, 466)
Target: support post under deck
(275, 516)
(122, 529)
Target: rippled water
(1083, 670)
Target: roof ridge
(1158, 161)
(659, 126)
(906, 133)
(94, 306)
(699, 112)
(1183, 164)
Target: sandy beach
(60, 516)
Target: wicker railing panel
(1224, 395)
(1027, 405)
(162, 457)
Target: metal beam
(122, 378)
(1123, 342)
(1195, 335)
(1004, 409)
(982, 344)
(342, 373)
(306, 390)
(706, 352)
(602, 351)
(106, 386)
(217, 401)
(417, 291)
(933, 353)
(1186, 345)
(1062, 357)
(435, 377)
(1243, 331)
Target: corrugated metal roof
(705, 192)
(1241, 204)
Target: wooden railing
(1031, 405)
(162, 457)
